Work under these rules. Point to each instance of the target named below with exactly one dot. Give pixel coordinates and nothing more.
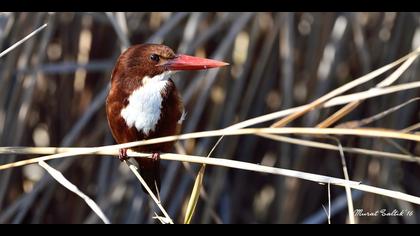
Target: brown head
(154, 59)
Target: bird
(144, 103)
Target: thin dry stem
(57, 175)
(133, 168)
(15, 45)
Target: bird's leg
(156, 165)
(122, 154)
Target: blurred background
(53, 89)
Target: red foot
(155, 156)
(122, 155)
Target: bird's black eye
(154, 57)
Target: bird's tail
(150, 172)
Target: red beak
(185, 62)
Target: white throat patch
(145, 103)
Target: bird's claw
(122, 154)
(155, 156)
